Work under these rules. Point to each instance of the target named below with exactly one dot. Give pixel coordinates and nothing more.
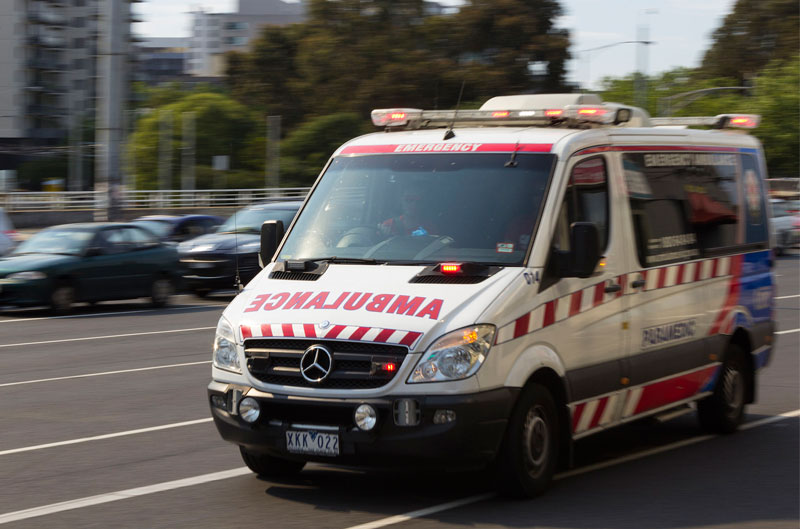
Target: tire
(268, 466)
(160, 291)
(202, 294)
(529, 453)
(723, 411)
(62, 298)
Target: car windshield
(423, 208)
(250, 220)
(161, 228)
(57, 241)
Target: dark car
(209, 262)
(89, 262)
(179, 228)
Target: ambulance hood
(376, 303)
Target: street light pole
(588, 52)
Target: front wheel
(268, 466)
(529, 453)
(722, 412)
(62, 299)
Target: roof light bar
(721, 121)
(394, 117)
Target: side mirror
(271, 235)
(584, 255)
(585, 244)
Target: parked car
(209, 262)
(179, 228)
(785, 223)
(8, 235)
(62, 265)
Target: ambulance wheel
(268, 466)
(722, 411)
(529, 453)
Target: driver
(413, 219)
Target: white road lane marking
(44, 510)
(104, 436)
(790, 331)
(99, 314)
(789, 297)
(104, 373)
(106, 337)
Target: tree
(223, 127)
(777, 99)
(756, 32)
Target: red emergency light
(554, 113)
(501, 114)
(451, 268)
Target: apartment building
(214, 34)
(48, 66)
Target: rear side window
(684, 205)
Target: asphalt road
(104, 423)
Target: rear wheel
(62, 298)
(722, 412)
(160, 291)
(268, 466)
(529, 453)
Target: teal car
(72, 263)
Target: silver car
(7, 233)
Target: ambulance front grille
(355, 364)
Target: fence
(18, 202)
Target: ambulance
(482, 288)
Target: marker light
(591, 111)
(394, 117)
(742, 121)
(451, 268)
(501, 114)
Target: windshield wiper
(347, 260)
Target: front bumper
(24, 293)
(472, 440)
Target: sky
(679, 30)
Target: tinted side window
(586, 200)
(755, 201)
(684, 205)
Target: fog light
(365, 417)
(219, 401)
(444, 416)
(249, 410)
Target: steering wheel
(432, 244)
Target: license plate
(310, 442)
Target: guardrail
(17, 202)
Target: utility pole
(188, 173)
(111, 64)
(272, 178)
(164, 149)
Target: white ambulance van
(473, 288)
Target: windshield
(250, 220)
(423, 208)
(57, 241)
(161, 228)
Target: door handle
(639, 283)
(613, 288)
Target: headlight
(455, 356)
(225, 355)
(27, 276)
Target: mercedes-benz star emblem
(316, 364)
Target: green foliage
(223, 127)
(307, 148)
(756, 32)
(777, 99)
(356, 55)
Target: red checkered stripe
(334, 332)
(591, 297)
(596, 413)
